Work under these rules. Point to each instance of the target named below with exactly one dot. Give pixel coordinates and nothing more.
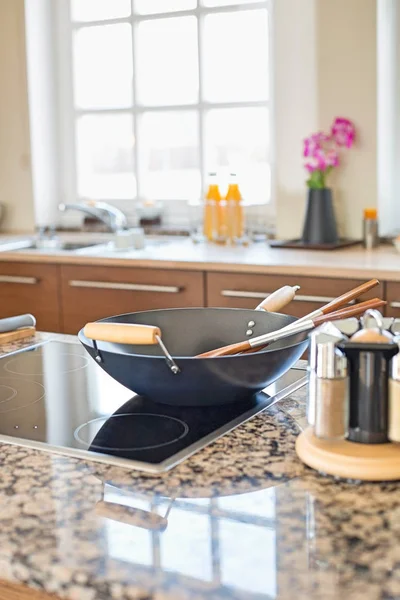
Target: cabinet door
(91, 293)
(31, 288)
(393, 299)
(237, 290)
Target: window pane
(248, 558)
(105, 163)
(98, 10)
(236, 56)
(228, 2)
(103, 67)
(169, 155)
(150, 7)
(167, 71)
(237, 140)
(186, 557)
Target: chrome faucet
(111, 216)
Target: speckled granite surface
(240, 519)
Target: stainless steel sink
(74, 246)
(50, 244)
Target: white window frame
(176, 210)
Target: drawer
(91, 293)
(393, 299)
(237, 290)
(31, 288)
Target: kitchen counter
(244, 520)
(182, 253)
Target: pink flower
(332, 158)
(343, 132)
(317, 162)
(314, 143)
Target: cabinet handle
(17, 279)
(297, 298)
(394, 305)
(131, 287)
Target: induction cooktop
(54, 397)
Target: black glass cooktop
(54, 396)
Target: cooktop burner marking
(37, 369)
(11, 396)
(22, 389)
(180, 428)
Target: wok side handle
(122, 333)
(278, 299)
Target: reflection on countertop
(183, 253)
(241, 519)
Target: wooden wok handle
(131, 516)
(278, 299)
(122, 333)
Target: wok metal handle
(18, 279)
(130, 287)
(122, 333)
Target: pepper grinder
(394, 396)
(369, 352)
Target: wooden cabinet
(237, 290)
(393, 299)
(31, 288)
(90, 293)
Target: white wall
(327, 52)
(43, 109)
(15, 167)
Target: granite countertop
(182, 253)
(244, 519)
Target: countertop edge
(218, 267)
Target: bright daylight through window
(165, 91)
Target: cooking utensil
(335, 304)
(279, 299)
(19, 322)
(297, 327)
(18, 334)
(190, 331)
(342, 300)
(129, 333)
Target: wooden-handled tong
(313, 319)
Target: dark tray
(342, 243)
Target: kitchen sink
(59, 245)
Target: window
(156, 93)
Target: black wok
(190, 331)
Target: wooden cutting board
(18, 334)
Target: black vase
(320, 222)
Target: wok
(187, 332)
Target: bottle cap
(370, 213)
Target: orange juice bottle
(235, 210)
(210, 222)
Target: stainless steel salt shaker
(332, 394)
(324, 363)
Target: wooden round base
(367, 462)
